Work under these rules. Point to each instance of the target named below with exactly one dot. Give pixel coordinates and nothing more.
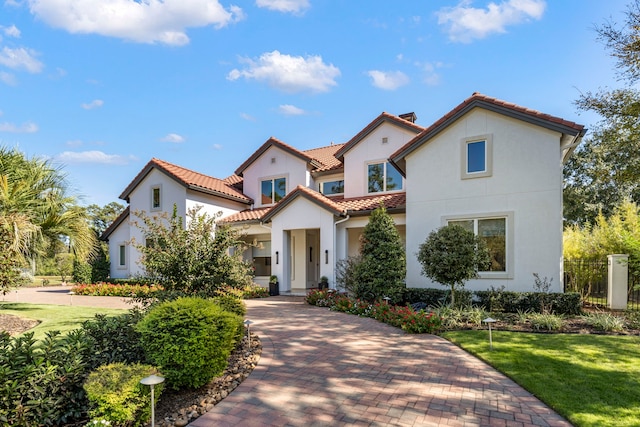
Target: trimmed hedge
(495, 300)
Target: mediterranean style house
(487, 165)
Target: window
(261, 254)
(156, 201)
(332, 187)
(493, 231)
(383, 177)
(122, 255)
(477, 157)
(273, 190)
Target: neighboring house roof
(385, 117)
(115, 224)
(190, 179)
(274, 142)
(478, 100)
(338, 205)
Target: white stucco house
(488, 165)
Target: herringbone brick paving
(322, 368)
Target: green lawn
(592, 380)
(54, 317)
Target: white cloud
(96, 103)
(20, 58)
(297, 7)
(289, 73)
(465, 23)
(28, 127)
(148, 21)
(11, 31)
(93, 157)
(290, 110)
(217, 146)
(388, 80)
(74, 143)
(174, 137)
(248, 117)
(8, 78)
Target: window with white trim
(273, 190)
(332, 187)
(122, 256)
(156, 198)
(477, 157)
(493, 232)
(382, 177)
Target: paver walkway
(323, 368)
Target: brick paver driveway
(322, 368)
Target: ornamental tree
(452, 255)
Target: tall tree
(36, 209)
(605, 170)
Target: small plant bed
(141, 290)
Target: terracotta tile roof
(326, 156)
(192, 180)
(274, 142)
(248, 215)
(309, 194)
(233, 179)
(384, 117)
(119, 220)
(478, 100)
(370, 203)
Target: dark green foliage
(196, 260)
(436, 297)
(114, 339)
(452, 255)
(382, 267)
(100, 265)
(116, 395)
(9, 271)
(189, 339)
(41, 381)
(512, 302)
(81, 272)
(231, 303)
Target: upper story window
(273, 190)
(477, 157)
(383, 177)
(332, 187)
(156, 198)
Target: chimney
(410, 117)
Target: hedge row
(505, 301)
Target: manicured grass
(592, 380)
(54, 317)
(52, 281)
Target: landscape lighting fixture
(151, 381)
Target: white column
(618, 281)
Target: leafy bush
(114, 339)
(411, 321)
(189, 339)
(605, 322)
(436, 297)
(512, 302)
(542, 321)
(41, 381)
(116, 395)
(322, 297)
(245, 292)
(231, 303)
(81, 272)
(112, 290)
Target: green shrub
(81, 272)
(115, 393)
(435, 297)
(511, 302)
(549, 322)
(231, 303)
(114, 339)
(605, 322)
(41, 381)
(189, 339)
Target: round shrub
(231, 303)
(115, 393)
(189, 339)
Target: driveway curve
(323, 368)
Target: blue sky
(102, 86)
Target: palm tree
(36, 209)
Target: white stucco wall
(371, 149)
(120, 236)
(525, 185)
(212, 205)
(284, 165)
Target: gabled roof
(382, 118)
(309, 194)
(190, 179)
(478, 100)
(247, 215)
(111, 228)
(274, 142)
(364, 205)
(327, 157)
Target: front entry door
(313, 258)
